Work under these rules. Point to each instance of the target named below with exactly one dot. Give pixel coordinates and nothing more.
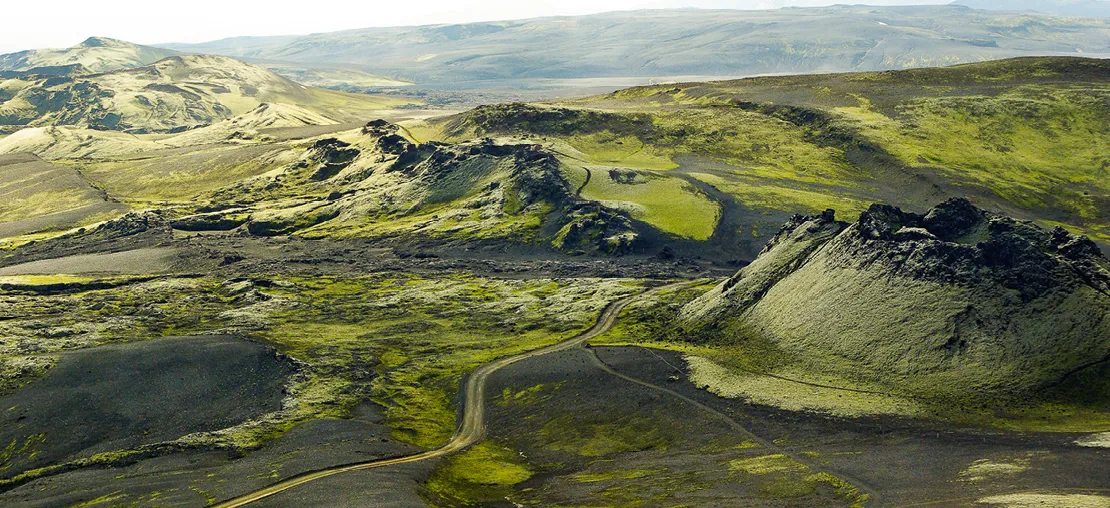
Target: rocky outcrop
(217, 221)
(384, 185)
(330, 156)
(528, 119)
(131, 231)
(593, 228)
(951, 303)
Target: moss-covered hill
(375, 183)
(95, 54)
(957, 304)
(1027, 136)
(709, 170)
(170, 95)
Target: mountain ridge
(681, 42)
(94, 55)
(175, 93)
(1094, 8)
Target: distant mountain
(96, 54)
(658, 43)
(1057, 7)
(173, 94)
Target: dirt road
(472, 428)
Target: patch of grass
(41, 280)
(425, 334)
(767, 464)
(17, 449)
(987, 469)
(17, 371)
(485, 472)
(669, 203)
(615, 475)
(780, 195)
(527, 396)
(606, 147)
(593, 436)
(842, 488)
(180, 177)
(777, 476)
(113, 497)
(1037, 499)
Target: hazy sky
(31, 24)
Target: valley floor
(371, 347)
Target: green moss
(783, 487)
(767, 464)
(599, 436)
(527, 396)
(784, 195)
(17, 371)
(615, 475)
(484, 472)
(605, 147)
(16, 449)
(423, 337)
(41, 280)
(208, 496)
(842, 488)
(113, 497)
(669, 203)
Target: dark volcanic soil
(124, 396)
(901, 462)
(198, 478)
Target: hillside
(706, 170)
(956, 304)
(196, 122)
(36, 196)
(662, 43)
(375, 183)
(1056, 7)
(173, 94)
(1025, 136)
(94, 55)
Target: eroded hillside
(1024, 136)
(94, 55)
(957, 303)
(171, 95)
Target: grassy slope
(32, 188)
(36, 196)
(95, 54)
(174, 93)
(1027, 136)
(242, 102)
(753, 370)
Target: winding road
(472, 428)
